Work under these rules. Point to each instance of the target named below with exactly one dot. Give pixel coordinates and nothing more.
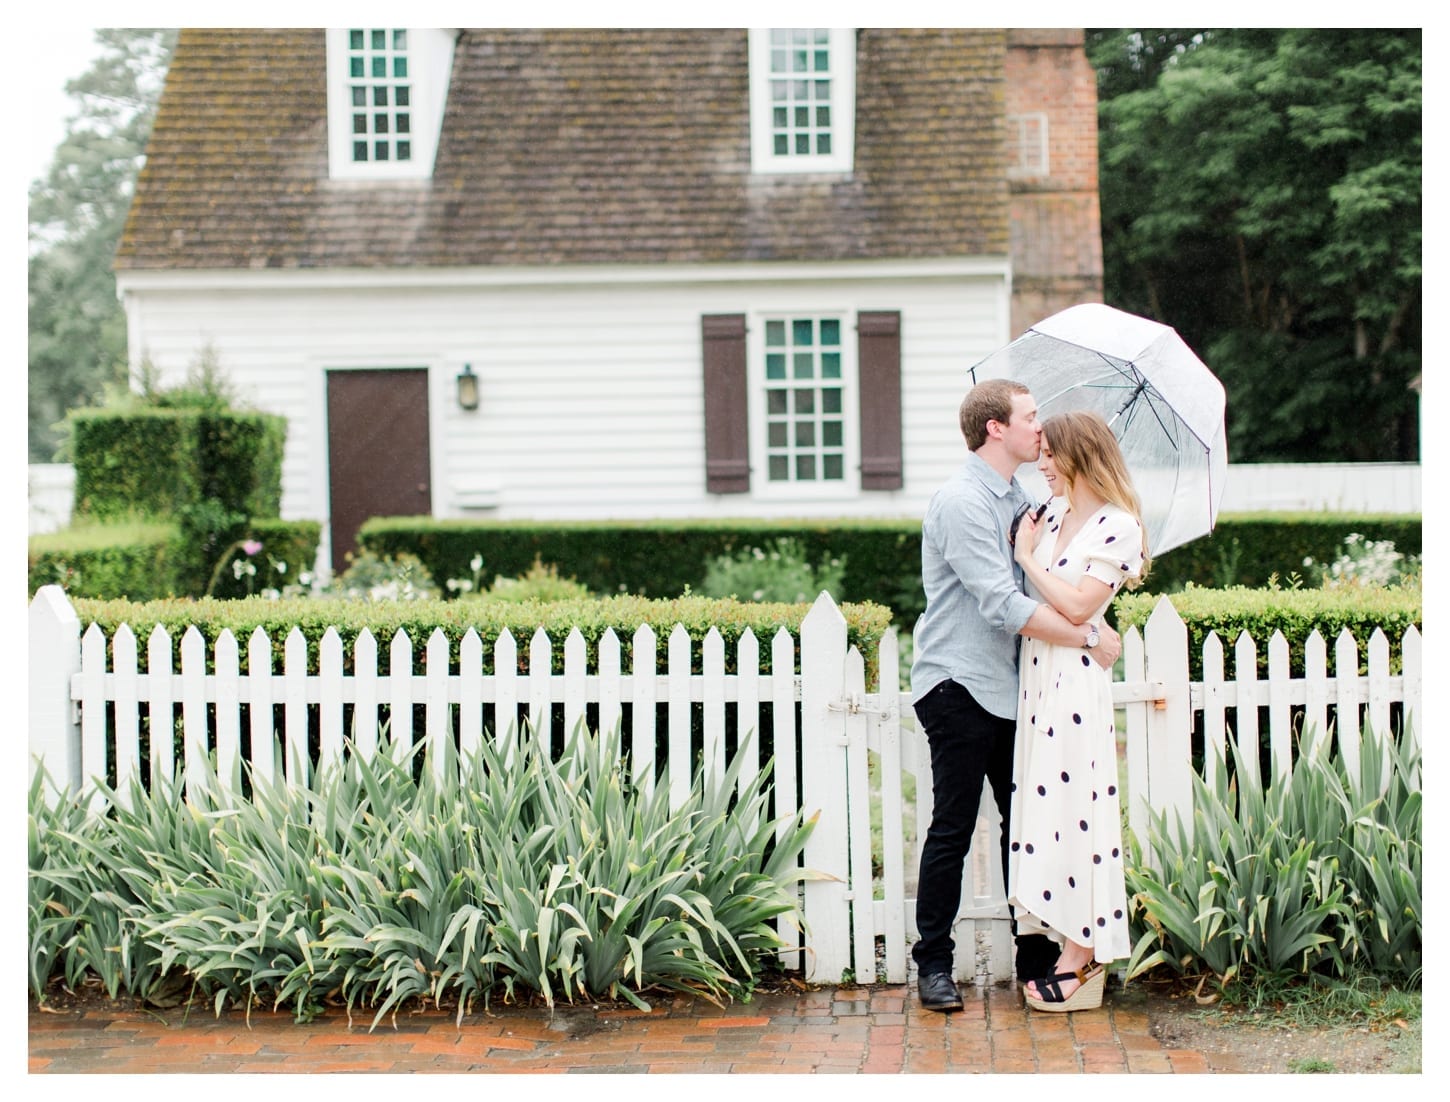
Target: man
(964, 676)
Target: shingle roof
(570, 146)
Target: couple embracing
(1037, 726)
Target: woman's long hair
(1083, 447)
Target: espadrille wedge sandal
(1088, 996)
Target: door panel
(377, 448)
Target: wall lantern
(467, 388)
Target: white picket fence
(855, 744)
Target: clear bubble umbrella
(1164, 405)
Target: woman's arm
(1077, 603)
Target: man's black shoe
(938, 991)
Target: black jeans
(968, 745)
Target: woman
(1065, 869)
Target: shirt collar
(989, 476)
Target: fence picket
(400, 694)
(861, 893)
(365, 694)
(1280, 736)
(94, 762)
(228, 713)
(1215, 743)
(161, 712)
(642, 746)
(1377, 711)
(506, 693)
(1316, 692)
(893, 841)
(747, 707)
(1410, 659)
(470, 693)
(1168, 746)
(1246, 714)
(436, 714)
(541, 704)
(1346, 701)
(787, 782)
(575, 688)
(713, 748)
(259, 699)
(329, 668)
(295, 760)
(128, 715)
(677, 692)
(610, 700)
(193, 707)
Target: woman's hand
(1026, 543)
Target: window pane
(823, 117)
(380, 95)
(355, 66)
(781, 116)
(779, 61)
(401, 97)
(805, 401)
(400, 67)
(803, 116)
(355, 40)
(380, 66)
(805, 434)
(775, 402)
(778, 91)
(359, 124)
(833, 468)
(776, 433)
(775, 365)
(831, 400)
(380, 124)
(380, 151)
(404, 126)
(802, 331)
(830, 365)
(779, 36)
(400, 40)
(823, 143)
(775, 333)
(805, 468)
(805, 365)
(359, 151)
(802, 143)
(830, 331)
(380, 40)
(782, 145)
(405, 151)
(823, 61)
(779, 468)
(831, 434)
(800, 36)
(359, 96)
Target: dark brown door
(377, 450)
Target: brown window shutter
(727, 437)
(878, 335)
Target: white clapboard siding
(855, 745)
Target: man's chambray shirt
(974, 600)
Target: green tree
(77, 328)
(1261, 193)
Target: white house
(610, 273)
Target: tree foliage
(1261, 193)
(77, 328)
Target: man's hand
(1110, 646)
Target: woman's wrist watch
(1093, 638)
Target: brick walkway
(843, 1030)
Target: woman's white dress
(1065, 864)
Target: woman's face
(1057, 485)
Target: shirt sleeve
(1114, 549)
(975, 548)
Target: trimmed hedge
(1295, 612)
(865, 623)
(145, 560)
(883, 556)
(157, 461)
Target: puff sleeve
(1114, 548)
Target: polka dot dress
(1065, 864)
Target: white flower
(476, 563)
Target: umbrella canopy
(1164, 405)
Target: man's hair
(990, 400)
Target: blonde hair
(989, 400)
(1084, 448)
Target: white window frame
(1031, 159)
(763, 158)
(430, 65)
(761, 486)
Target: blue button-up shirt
(974, 601)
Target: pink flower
(251, 547)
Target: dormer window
(386, 91)
(802, 100)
